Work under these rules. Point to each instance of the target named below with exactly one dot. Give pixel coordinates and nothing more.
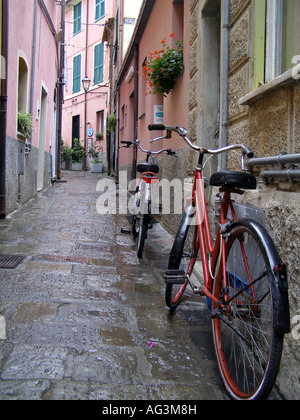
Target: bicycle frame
(203, 238)
(147, 178)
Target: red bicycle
(243, 279)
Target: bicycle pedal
(175, 277)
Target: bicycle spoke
(243, 334)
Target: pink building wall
(166, 18)
(20, 45)
(36, 89)
(97, 97)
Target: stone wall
(21, 188)
(268, 125)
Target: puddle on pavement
(117, 336)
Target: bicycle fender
(278, 270)
(181, 236)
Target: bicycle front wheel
(248, 349)
(141, 229)
(183, 257)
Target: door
(42, 140)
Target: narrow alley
(85, 319)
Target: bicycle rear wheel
(248, 349)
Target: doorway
(42, 140)
(75, 128)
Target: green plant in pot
(77, 153)
(25, 124)
(163, 67)
(111, 122)
(96, 164)
(65, 154)
(99, 136)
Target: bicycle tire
(174, 293)
(248, 349)
(143, 221)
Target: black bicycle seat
(232, 179)
(147, 167)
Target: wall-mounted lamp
(86, 83)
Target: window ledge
(286, 78)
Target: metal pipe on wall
(225, 71)
(3, 110)
(287, 174)
(60, 85)
(274, 160)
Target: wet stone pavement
(85, 318)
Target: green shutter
(98, 63)
(76, 73)
(77, 19)
(289, 41)
(259, 43)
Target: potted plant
(99, 136)
(65, 155)
(77, 153)
(163, 68)
(24, 124)
(96, 164)
(111, 122)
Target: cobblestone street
(85, 319)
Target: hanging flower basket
(163, 68)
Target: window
(99, 9)
(276, 39)
(77, 18)
(22, 85)
(98, 63)
(76, 73)
(100, 122)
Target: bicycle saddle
(233, 179)
(147, 167)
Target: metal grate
(11, 261)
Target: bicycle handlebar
(183, 133)
(149, 152)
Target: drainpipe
(225, 68)
(136, 109)
(85, 92)
(3, 110)
(60, 86)
(33, 62)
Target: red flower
(172, 35)
(158, 57)
(163, 41)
